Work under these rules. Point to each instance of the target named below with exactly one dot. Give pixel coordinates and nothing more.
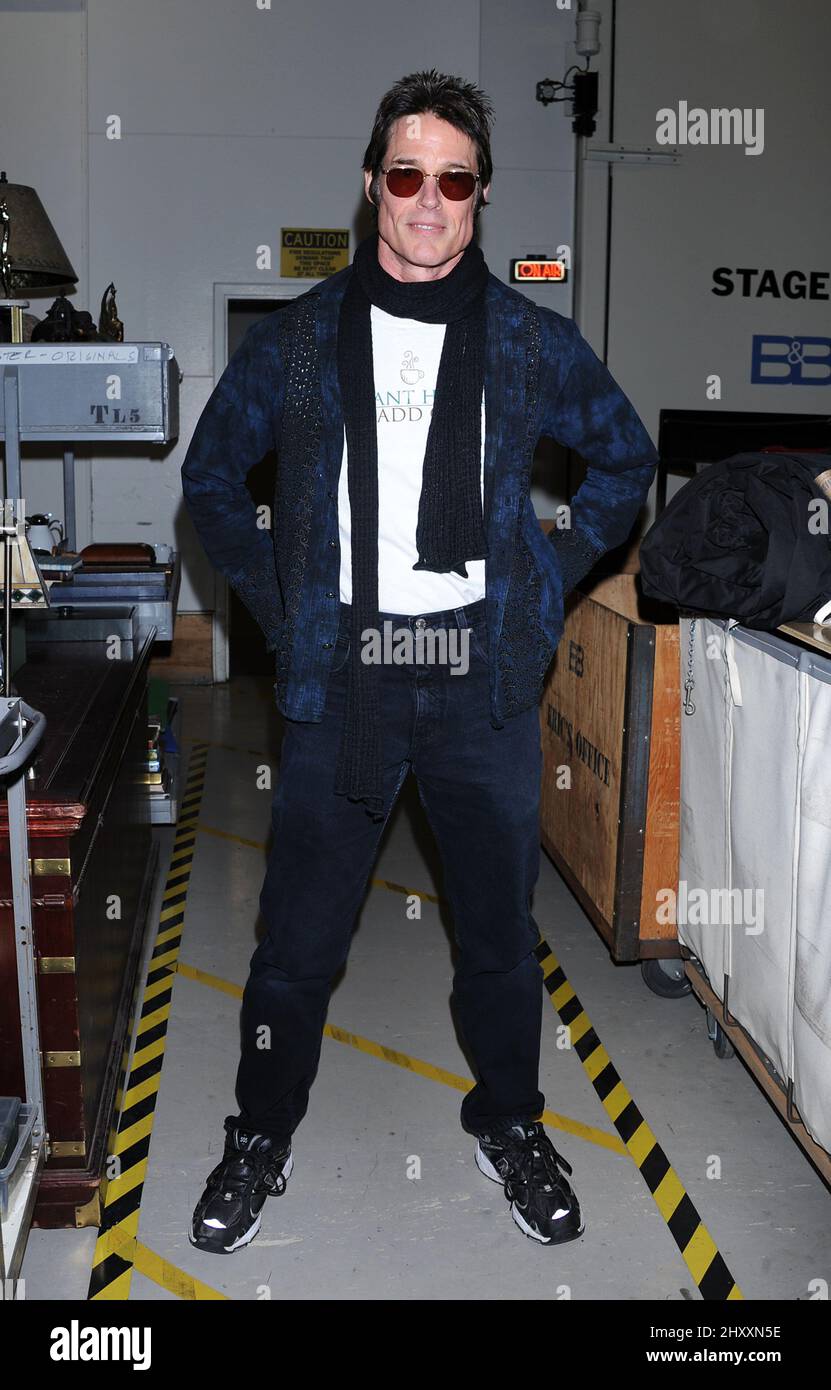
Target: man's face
(406, 248)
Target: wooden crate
(610, 716)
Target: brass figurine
(110, 326)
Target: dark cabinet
(92, 865)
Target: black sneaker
(524, 1160)
(229, 1211)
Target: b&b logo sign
(782, 361)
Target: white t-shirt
(406, 355)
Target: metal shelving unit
(67, 393)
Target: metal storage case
(67, 390)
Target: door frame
(223, 292)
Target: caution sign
(312, 253)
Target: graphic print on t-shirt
(410, 373)
(406, 355)
(406, 402)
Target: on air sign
(538, 268)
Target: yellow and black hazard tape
(117, 1244)
(118, 1250)
(707, 1267)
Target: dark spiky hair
(462, 104)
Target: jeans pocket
(476, 642)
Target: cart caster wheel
(722, 1045)
(666, 977)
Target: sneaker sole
(247, 1236)
(568, 1232)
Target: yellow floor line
(390, 886)
(408, 892)
(235, 748)
(226, 835)
(121, 1241)
(634, 1136)
(202, 977)
(589, 1133)
(169, 1276)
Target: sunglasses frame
(391, 167)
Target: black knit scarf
(450, 527)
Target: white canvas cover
(705, 755)
(812, 985)
(764, 807)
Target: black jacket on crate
(747, 538)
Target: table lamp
(31, 255)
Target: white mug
(40, 535)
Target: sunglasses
(403, 181)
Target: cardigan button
(333, 544)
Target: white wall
(237, 120)
(43, 124)
(671, 226)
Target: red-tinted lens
(456, 184)
(404, 181)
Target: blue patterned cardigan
(280, 391)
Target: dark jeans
(480, 789)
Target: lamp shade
(38, 261)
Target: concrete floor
(353, 1224)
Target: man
(405, 396)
